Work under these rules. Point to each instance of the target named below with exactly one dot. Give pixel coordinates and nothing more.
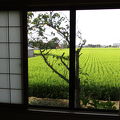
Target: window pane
(97, 34)
(48, 62)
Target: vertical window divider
(24, 54)
(72, 58)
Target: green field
(100, 76)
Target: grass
(101, 78)
(43, 82)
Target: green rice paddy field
(100, 78)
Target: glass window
(48, 58)
(98, 63)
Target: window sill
(75, 112)
(62, 114)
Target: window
(92, 80)
(48, 62)
(99, 60)
(13, 70)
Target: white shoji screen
(10, 57)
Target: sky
(98, 26)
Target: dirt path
(57, 102)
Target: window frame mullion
(24, 58)
(72, 59)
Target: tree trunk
(77, 81)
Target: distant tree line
(101, 46)
(52, 44)
(93, 46)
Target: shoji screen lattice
(10, 57)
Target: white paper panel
(3, 18)
(4, 96)
(4, 66)
(14, 34)
(4, 81)
(14, 18)
(15, 81)
(15, 66)
(3, 50)
(3, 34)
(16, 96)
(15, 51)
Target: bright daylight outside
(97, 62)
(48, 58)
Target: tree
(29, 20)
(60, 26)
(52, 44)
(65, 44)
(36, 44)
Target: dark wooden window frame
(72, 69)
(83, 114)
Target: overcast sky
(99, 26)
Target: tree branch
(47, 52)
(48, 64)
(54, 55)
(64, 62)
(59, 32)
